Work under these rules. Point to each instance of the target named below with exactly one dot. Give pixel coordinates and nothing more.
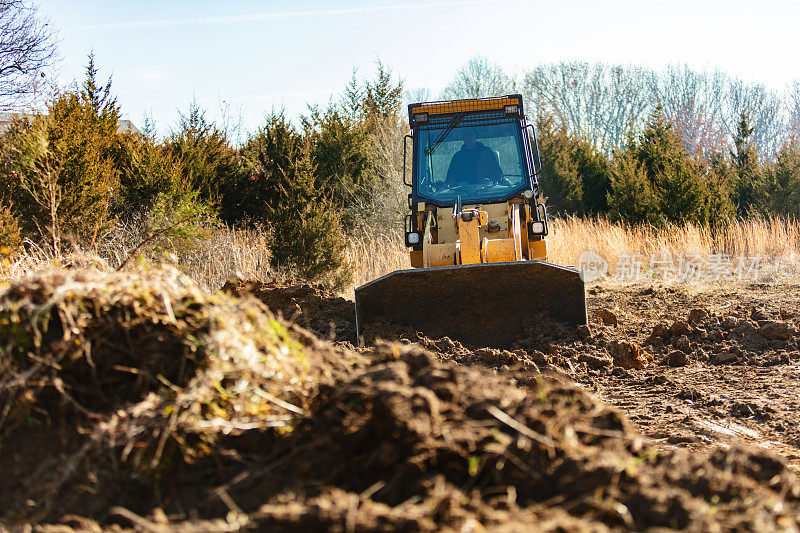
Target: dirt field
(150, 405)
(720, 363)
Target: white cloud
(257, 17)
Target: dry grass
(244, 253)
(773, 239)
(373, 255)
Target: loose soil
(148, 405)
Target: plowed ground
(148, 405)
(723, 365)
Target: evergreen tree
(677, 191)
(63, 166)
(210, 165)
(781, 187)
(341, 155)
(595, 174)
(305, 231)
(559, 179)
(98, 98)
(269, 154)
(382, 97)
(748, 178)
(631, 197)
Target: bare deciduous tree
(765, 109)
(416, 95)
(793, 103)
(479, 78)
(603, 104)
(27, 49)
(694, 103)
(598, 102)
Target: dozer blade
(486, 304)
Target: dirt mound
(311, 306)
(116, 379)
(411, 444)
(471, 445)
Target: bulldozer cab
(475, 155)
(476, 231)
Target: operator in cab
(473, 163)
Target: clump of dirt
(382, 329)
(311, 306)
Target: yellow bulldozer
(476, 231)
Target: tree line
(623, 142)
(646, 147)
(69, 176)
(603, 104)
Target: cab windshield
(478, 163)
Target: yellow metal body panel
(469, 240)
(538, 250)
(498, 250)
(445, 225)
(416, 258)
(442, 254)
(498, 212)
(460, 106)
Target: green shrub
(357, 149)
(209, 164)
(341, 155)
(148, 171)
(268, 153)
(305, 232)
(656, 181)
(65, 174)
(780, 194)
(156, 198)
(595, 173)
(62, 166)
(631, 197)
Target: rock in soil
(628, 355)
(593, 361)
(696, 315)
(777, 330)
(675, 358)
(607, 317)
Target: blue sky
(252, 56)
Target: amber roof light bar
(494, 103)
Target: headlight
(420, 118)
(511, 110)
(413, 238)
(537, 228)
